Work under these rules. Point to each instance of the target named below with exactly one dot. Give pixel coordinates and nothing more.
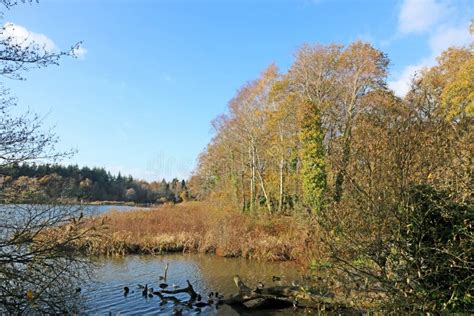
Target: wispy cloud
(417, 16)
(17, 35)
(446, 26)
(450, 36)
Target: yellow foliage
(458, 96)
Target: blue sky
(153, 74)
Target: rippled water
(206, 274)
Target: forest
(329, 132)
(93, 184)
(385, 182)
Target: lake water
(206, 273)
(88, 209)
(100, 209)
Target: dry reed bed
(197, 227)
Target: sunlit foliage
(387, 181)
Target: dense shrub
(433, 257)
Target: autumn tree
(457, 98)
(333, 80)
(38, 270)
(407, 197)
(311, 79)
(435, 90)
(236, 162)
(282, 126)
(390, 178)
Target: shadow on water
(206, 274)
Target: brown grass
(198, 227)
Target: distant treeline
(95, 184)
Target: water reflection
(206, 273)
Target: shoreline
(196, 227)
(96, 203)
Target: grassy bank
(198, 227)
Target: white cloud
(79, 52)
(439, 41)
(448, 37)
(19, 35)
(446, 26)
(14, 34)
(402, 84)
(417, 16)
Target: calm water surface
(206, 273)
(100, 209)
(88, 209)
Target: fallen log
(189, 290)
(280, 296)
(260, 297)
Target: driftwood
(279, 296)
(189, 289)
(166, 271)
(253, 298)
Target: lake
(88, 209)
(206, 273)
(100, 209)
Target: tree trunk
(280, 193)
(252, 179)
(294, 296)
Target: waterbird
(163, 285)
(200, 304)
(210, 295)
(198, 297)
(78, 290)
(145, 290)
(126, 290)
(276, 278)
(260, 285)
